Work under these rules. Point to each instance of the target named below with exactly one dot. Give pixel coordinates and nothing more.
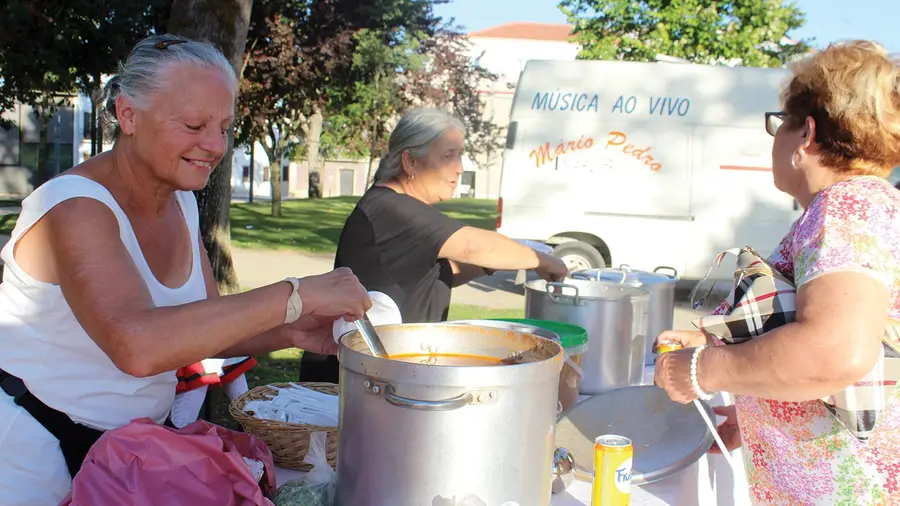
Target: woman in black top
(396, 242)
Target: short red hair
(852, 91)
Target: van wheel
(579, 256)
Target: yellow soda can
(613, 456)
(667, 347)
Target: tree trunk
(93, 127)
(40, 173)
(313, 138)
(98, 121)
(224, 23)
(372, 146)
(275, 180)
(252, 168)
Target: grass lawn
(284, 365)
(315, 225)
(7, 223)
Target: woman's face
(182, 135)
(437, 174)
(786, 155)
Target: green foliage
(701, 31)
(51, 49)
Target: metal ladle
(367, 331)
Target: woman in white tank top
(107, 289)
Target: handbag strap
(717, 262)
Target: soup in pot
(448, 359)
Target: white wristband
(694, 383)
(294, 302)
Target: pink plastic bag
(144, 463)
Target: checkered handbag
(761, 300)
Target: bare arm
(271, 340)
(835, 341)
(483, 248)
(111, 302)
(463, 273)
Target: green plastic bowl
(570, 336)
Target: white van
(646, 164)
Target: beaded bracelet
(694, 383)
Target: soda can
(667, 347)
(613, 456)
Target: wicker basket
(288, 442)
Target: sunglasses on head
(164, 44)
(774, 121)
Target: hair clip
(164, 44)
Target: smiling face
(181, 135)
(437, 173)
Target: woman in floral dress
(836, 140)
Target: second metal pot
(615, 317)
(661, 285)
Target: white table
(709, 482)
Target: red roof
(528, 31)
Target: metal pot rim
(450, 376)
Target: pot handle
(420, 405)
(560, 286)
(664, 268)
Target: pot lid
(570, 335)
(667, 437)
(626, 275)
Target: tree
(104, 34)
(451, 81)
(35, 64)
(300, 68)
(70, 44)
(748, 32)
(223, 23)
(431, 67)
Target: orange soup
(447, 359)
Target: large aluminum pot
(417, 434)
(661, 285)
(615, 317)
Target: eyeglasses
(774, 121)
(164, 44)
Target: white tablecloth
(709, 482)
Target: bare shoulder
(65, 233)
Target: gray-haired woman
(107, 289)
(399, 244)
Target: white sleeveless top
(42, 343)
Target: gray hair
(415, 132)
(145, 70)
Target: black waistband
(75, 439)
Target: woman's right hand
(729, 431)
(686, 338)
(336, 294)
(551, 268)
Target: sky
(826, 20)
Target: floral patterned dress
(796, 453)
